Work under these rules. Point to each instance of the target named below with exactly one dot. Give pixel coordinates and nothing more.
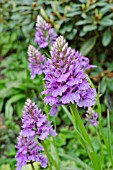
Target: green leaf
(1, 104)
(8, 111)
(27, 29)
(88, 45)
(106, 39)
(54, 152)
(89, 28)
(110, 66)
(109, 136)
(82, 22)
(13, 84)
(106, 22)
(110, 83)
(73, 13)
(16, 98)
(69, 27)
(16, 16)
(93, 6)
(103, 85)
(21, 8)
(8, 107)
(13, 37)
(20, 106)
(26, 21)
(110, 15)
(6, 92)
(60, 140)
(66, 28)
(72, 34)
(106, 8)
(43, 13)
(82, 33)
(77, 160)
(80, 125)
(1, 27)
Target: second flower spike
(45, 35)
(35, 128)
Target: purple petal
(51, 100)
(63, 77)
(59, 91)
(54, 110)
(70, 97)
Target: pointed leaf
(106, 22)
(107, 36)
(8, 106)
(89, 28)
(88, 45)
(103, 85)
(1, 104)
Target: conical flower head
(66, 81)
(41, 23)
(35, 127)
(36, 61)
(35, 122)
(45, 35)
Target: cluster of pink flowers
(66, 80)
(35, 125)
(45, 35)
(29, 151)
(36, 61)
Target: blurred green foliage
(88, 26)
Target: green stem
(56, 153)
(48, 55)
(33, 168)
(68, 114)
(45, 105)
(78, 134)
(50, 158)
(54, 123)
(109, 138)
(107, 143)
(102, 135)
(47, 154)
(80, 126)
(101, 148)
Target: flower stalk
(50, 159)
(80, 126)
(33, 168)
